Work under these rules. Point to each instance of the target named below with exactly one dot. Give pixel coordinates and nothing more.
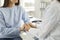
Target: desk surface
(30, 35)
(27, 37)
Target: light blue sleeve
(25, 16)
(7, 31)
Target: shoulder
(54, 5)
(20, 8)
(3, 10)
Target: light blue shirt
(10, 21)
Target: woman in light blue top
(10, 20)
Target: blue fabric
(11, 38)
(10, 21)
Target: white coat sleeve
(49, 20)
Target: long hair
(6, 3)
(58, 0)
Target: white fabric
(50, 26)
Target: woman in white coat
(50, 26)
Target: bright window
(29, 5)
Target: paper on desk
(29, 35)
(34, 32)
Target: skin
(25, 27)
(12, 3)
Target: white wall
(37, 9)
(38, 13)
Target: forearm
(10, 31)
(33, 26)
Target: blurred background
(34, 8)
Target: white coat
(50, 26)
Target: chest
(12, 17)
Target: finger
(22, 28)
(27, 27)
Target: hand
(27, 27)
(32, 25)
(22, 28)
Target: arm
(50, 19)
(33, 26)
(7, 31)
(26, 20)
